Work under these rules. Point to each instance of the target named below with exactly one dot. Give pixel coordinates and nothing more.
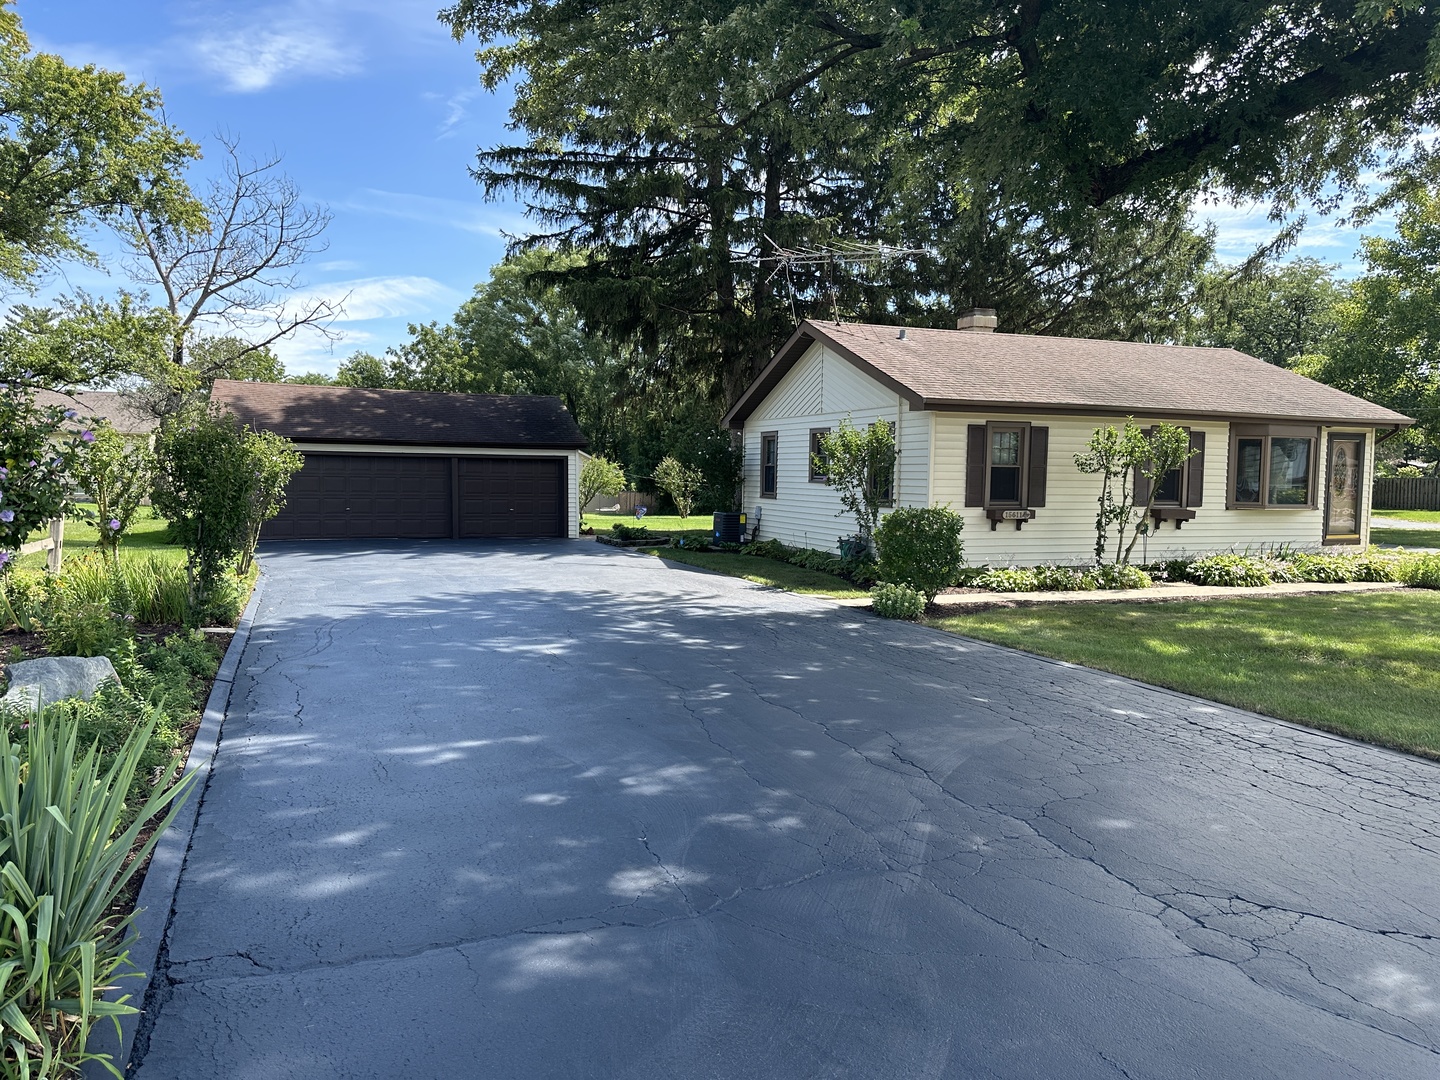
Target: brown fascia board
(439, 447)
(958, 405)
(805, 335)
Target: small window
(882, 475)
(1272, 466)
(1006, 466)
(769, 464)
(818, 472)
(1170, 489)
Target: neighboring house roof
(108, 405)
(965, 370)
(402, 417)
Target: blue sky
(378, 113)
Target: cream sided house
(990, 424)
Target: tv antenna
(827, 256)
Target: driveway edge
(157, 893)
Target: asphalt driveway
(555, 810)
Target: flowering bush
(116, 474)
(38, 447)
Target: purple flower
(70, 414)
(87, 435)
(4, 473)
(4, 557)
(7, 515)
(114, 524)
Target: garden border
(162, 880)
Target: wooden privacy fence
(1407, 493)
(54, 544)
(626, 500)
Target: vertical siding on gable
(1064, 529)
(820, 391)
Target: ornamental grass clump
(65, 856)
(896, 601)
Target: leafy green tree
(117, 473)
(1387, 344)
(216, 483)
(680, 482)
(38, 448)
(678, 144)
(83, 339)
(1118, 455)
(600, 476)
(170, 387)
(860, 464)
(78, 145)
(1276, 312)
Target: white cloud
(307, 350)
(254, 58)
(381, 297)
(484, 219)
(1243, 228)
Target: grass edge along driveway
(763, 571)
(1364, 665)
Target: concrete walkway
(559, 810)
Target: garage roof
(400, 417)
(965, 370)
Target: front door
(1342, 492)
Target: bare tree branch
(237, 275)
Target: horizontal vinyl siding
(1064, 529)
(809, 514)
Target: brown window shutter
(1138, 480)
(975, 466)
(1195, 482)
(1039, 460)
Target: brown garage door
(358, 496)
(511, 496)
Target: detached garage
(417, 465)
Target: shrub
(920, 546)
(897, 601)
(1008, 579)
(117, 475)
(630, 532)
(680, 482)
(1324, 568)
(81, 629)
(1419, 571)
(38, 446)
(1121, 576)
(216, 483)
(1236, 571)
(1063, 578)
(1373, 566)
(66, 857)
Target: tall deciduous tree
(78, 145)
(1387, 344)
(235, 271)
(1276, 312)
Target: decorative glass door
(1342, 493)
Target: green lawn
(146, 535)
(665, 523)
(763, 571)
(1365, 665)
(1410, 538)
(1430, 516)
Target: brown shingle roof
(108, 405)
(401, 417)
(960, 369)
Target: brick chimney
(979, 320)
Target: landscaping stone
(54, 678)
